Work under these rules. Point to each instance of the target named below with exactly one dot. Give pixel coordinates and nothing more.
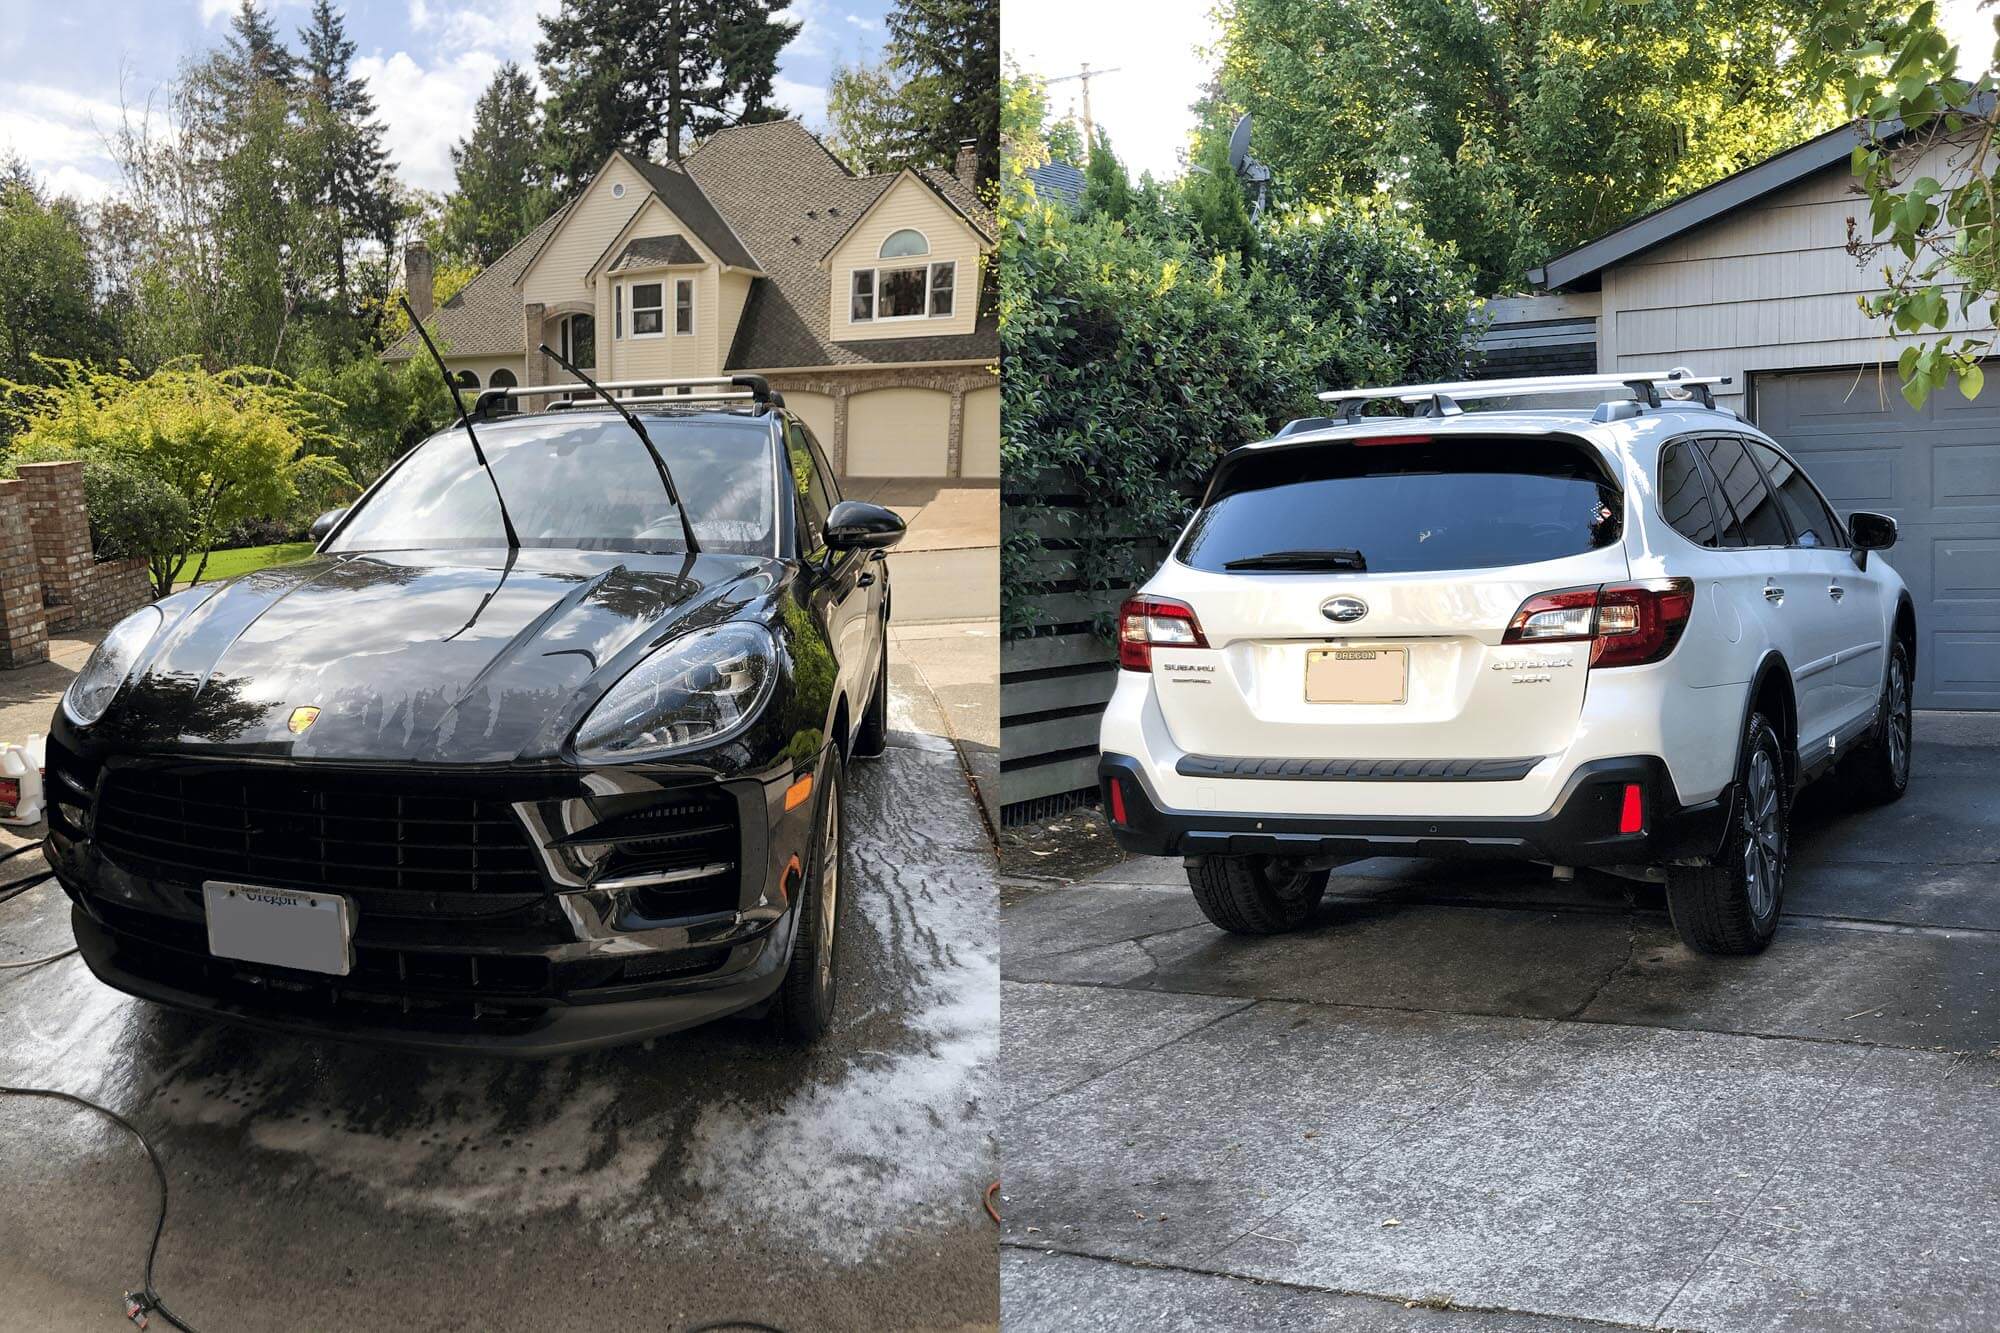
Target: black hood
(476, 656)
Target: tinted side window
(1813, 524)
(1742, 486)
(811, 486)
(1684, 501)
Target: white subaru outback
(1617, 636)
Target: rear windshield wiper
(1342, 557)
(666, 477)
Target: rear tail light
(1626, 624)
(1146, 623)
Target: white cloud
(1144, 107)
(807, 101)
(426, 109)
(211, 10)
(61, 136)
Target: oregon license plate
(1357, 675)
(313, 932)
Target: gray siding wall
(1769, 287)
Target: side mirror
(1871, 532)
(856, 525)
(325, 523)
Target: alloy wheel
(1764, 835)
(829, 879)
(1899, 720)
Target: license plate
(1357, 675)
(313, 932)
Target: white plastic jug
(21, 766)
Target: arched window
(502, 378)
(905, 244)
(467, 379)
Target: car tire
(1255, 895)
(1881, 769)
(1732, 907)
(805, 1001)
(872, 737)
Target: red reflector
(10, 794)
(1117, 802)
(1632, 816)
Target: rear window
(1462, 503)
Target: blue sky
(66, 65)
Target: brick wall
(24, 630)
(50, 581)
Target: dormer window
(904, 291)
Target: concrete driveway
(702, 1177)
(1482, 1099)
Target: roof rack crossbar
(753, 386)
(1443, 399)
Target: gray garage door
(1937, 473)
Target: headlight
(694, 691)
(104, 674)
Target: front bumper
(479, 921)
(1581, 829)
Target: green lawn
(228, 564)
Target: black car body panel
(505, 894)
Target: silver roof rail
(1443, 400)
(699, 389)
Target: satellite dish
(1239, 142)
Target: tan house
(857, 296)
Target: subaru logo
(1343, 609)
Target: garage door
(898, 433)
(816, 410)
(1937, 473)
(980, 454)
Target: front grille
(290, 828)
(673, 835)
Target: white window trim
(688, 283)
(632, 305)
(875, 284)
(914, 231)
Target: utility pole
(1084, 78)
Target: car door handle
(1835, 591)
(867, 580)
(1773, 593)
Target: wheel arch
(1770, 693)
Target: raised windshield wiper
(513, 542)
(666, 477)
(1343, 557)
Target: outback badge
(1345, 610)
(302, 718)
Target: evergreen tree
(1213, 196)
(251, 57)
(350, 176)
(937, 85)
(1107, 191)
(503, 193)
(650, 78)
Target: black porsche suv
(525, 758)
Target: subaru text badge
(1345, 610)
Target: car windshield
(1405, 506)
(578, 481)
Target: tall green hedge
(1134, 358)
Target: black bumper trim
(1581, 828)
(1359, 770)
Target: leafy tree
(1928, 171)
(650, 77)
(350, 175)
(1107, 191)
(1065, 141)
(937, 86)
(47, 279)
(1024, 145)
(502, 190)
(1519, 128)
(252, 57)
(234, 445)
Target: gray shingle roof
(680, 193)
(1056, 183)
(484, 318)
(646, 251)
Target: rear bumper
(1581, 828)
